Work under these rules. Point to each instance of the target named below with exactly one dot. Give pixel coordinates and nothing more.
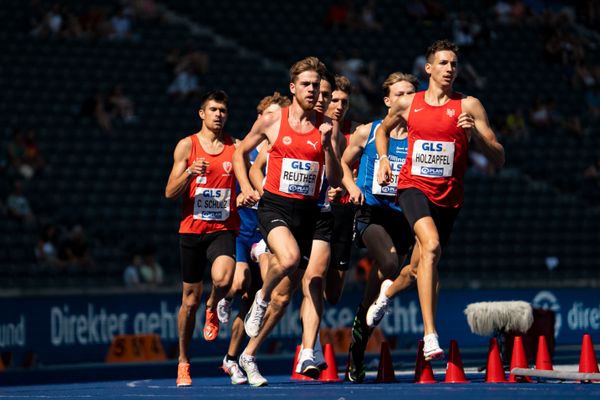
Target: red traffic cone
(518, 360)
(423, 370)
(385, 371)
(587, 360)
(543, 361)
(455, 373)
(295, 375)
(329, 374)
(494, 372)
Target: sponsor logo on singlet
(433, 159)
(298, 176)
(212, 204)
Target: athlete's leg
(222, 271)
(186, 318)
(387, 260)
(427, 273)
(284, 247)
(407, 276)
(240, 286)
(312, 288)
(280, 299)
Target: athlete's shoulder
(270, 118)
(186, 142)
(469, 102)
(363, 129)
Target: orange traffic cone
(518, 360)
(423, 370)
(587, 359)
(494, 372)
(543, 361)
(295, 375)
(455, 373)
(329, 374)
(385, 371)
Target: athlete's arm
(356, 146)
(257, 134)
(333, 169)
(257, 176)
(398, 112)
(474, 118)
(180, 173)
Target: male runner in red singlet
(311, 359)
(248, 274)
(430, 186)
(301, 143)
(203, 174)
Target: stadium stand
(526, 225)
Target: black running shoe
(356, 355)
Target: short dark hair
(440, 45)
(216, 95)
(343, 84)
(329, 77)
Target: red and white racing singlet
(209, 203)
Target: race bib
(298, 176)
(432, 159)
(212, 204)
(390, 189)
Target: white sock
(307, 353)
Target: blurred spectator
(51, 24)
(539, 115)
(131, 275)
(340, 15)
(17, 205)
(121, 25)
(462, 31)
(368, 17)
(515, 125)
(151, 272)
(362, 76)
(24, 156)
(74, 249)
(188, 65)
(120, 105)
(479, 164)
(583, 76)
(46, 250)
(58, 21)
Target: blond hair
(396, 77)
